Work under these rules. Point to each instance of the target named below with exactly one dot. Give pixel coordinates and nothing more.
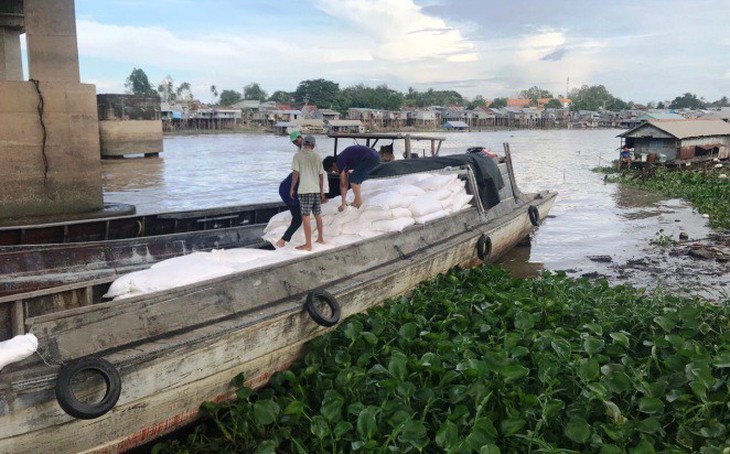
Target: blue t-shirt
(353, 155)
(284, 188)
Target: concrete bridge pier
(49, 136)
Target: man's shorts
(310, 203)
(363, 169)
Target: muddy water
(595, 228)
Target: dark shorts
(362, 171)
(310, 203)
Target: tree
(255, 92)
(433, 97)
(321, 92)
(595, 97)
(687, 101)
(722, 102)
(535, 93)
(380, 97)
(477, 102)
(660, 105)
(554, 104)
(498, 103)
(229, 97)
(138, 84)
(282, 97)
(214, 92)
(183, 91)
(167, 93)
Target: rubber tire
(534, 215)
(317, 316)
(68, 401)
(484, 248)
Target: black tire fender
(316, 315)
(484, 248)
(81, 410)
(534, 215)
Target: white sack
(423, 205)
(18, 348)
(400, 213)
(431, 216)
(436, 182)
(394, 225)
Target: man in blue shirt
(354, 165)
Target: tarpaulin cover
(486, 172)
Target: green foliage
(554, 104)
(282, 97)
(475, 361)
(535, 93)
(498, 103)
(184, 87)
(380, 97)
(688, 101)
(722, 102)
(594, 98)
(138, 84)
(709, 193)
(229, 97)
(433, 97)
(478, 101)
(323, 93)
(662, 240)
(255, 92)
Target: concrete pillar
(11, 27)
(49, 158)
(50, 30)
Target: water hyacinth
(476, 361)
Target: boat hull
(178, 348)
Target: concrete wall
(69, 181)
(124, 137)
(129, 124)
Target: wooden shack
(679, 139)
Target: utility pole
(567, 82)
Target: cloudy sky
(641, 51)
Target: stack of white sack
(389, 205)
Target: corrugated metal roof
(684, 129)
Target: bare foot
(321, 241)
(357, 204)
(281, 243)
(304, 247)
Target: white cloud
(536, 46)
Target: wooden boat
(38, 256)
(162, 354)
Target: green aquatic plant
(476, 361)
(662, 240)
(707, 190)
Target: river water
(592, 221)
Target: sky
(641, 51)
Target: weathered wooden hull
(29, 267)
(201, 336)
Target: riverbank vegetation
(707, 190)
(476, 361)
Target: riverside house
(680, 139)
